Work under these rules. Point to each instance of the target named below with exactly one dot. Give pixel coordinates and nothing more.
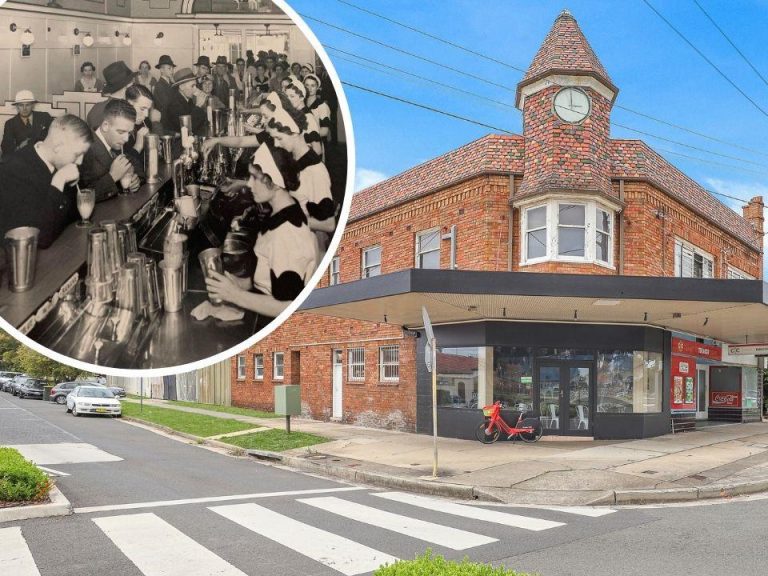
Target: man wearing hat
(27, 127)
(222, 81)
(117, 78)
(182, 103)
(163, 91)
(203, 66)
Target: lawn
(275, 440)
(197, 424)
(228, 409)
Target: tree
(16, 357)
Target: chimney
(754, 213)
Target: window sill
(567, 261)
(389, 383)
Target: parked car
(60, 391)
(93, 400)
(6, 378)
(31, 388)
(16, 383)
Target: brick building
(642, 280)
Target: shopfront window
(749, 378)
(565, 354)
(629, 382)
(458, 377)
(513, 377)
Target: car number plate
(101, 409)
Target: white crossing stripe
(52, 472)
(336, 552)
(159, 549)
(15, 557)
(580, 510)
(475, 513)
(429, 532)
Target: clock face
(572, 105)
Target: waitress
(286, 249)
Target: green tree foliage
(16, 357)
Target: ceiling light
(127, 40)
(88, 40)
(27, 38)
(605, 302)
(159, 39)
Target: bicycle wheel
(484, 437)
(535, 435)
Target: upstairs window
(571, 230)
(241, 367)
(258, 366)
(736, 274)
(428, 249)
(691, 262)
(371, 261)
(335, 271)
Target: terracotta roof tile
(492, 153)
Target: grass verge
(227, 409)
(197, 424)
(428, 565)
(20, 480)
(275, 440)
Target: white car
(93, 400)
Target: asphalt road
(134, 516)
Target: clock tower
(566, 98)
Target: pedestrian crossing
(309, 526)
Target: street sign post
(430, 359)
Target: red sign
(696, 350)
(683, 388)
(725, 399)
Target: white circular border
(321, 269)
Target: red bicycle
(528, 429)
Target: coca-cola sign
(725, 399)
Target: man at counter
(36, 182)
(163, 90)
(105, 167)
(182, 103)
(118, 77)
(27, 127)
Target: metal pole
(434, 406)
(288, 423)
(141, 396)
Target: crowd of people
(290, 126)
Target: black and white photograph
(173, 173)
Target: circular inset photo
(174, 179)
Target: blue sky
(655, 71)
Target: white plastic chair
(554, 419)
(582, 417)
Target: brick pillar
(754, 212)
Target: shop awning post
(430, 359)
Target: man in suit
(221, 81)
(117, 78)
(183, 103)
(163, 92)
(203, 66)
(36, 182)
(105, 168)
(27, 127)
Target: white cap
(264, 159)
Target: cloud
(745, 190)
(365, 178)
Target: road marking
(429, 532)
(64, 453)
(159, 549)
(336, 552)
(514, 520)
(580, 510)
(163, 503)
(15, 557)
(52, 472)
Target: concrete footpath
(718, 461)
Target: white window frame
(694, 250)
(276, 364)
(736, 274)
(241, 368)
(334, 271)
(382, 365)
(552, 204)
(419, 253)
(364, 268)
(258, 365)
(355, 358)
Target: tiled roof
(634, 159)
(565, 49)
(492, 153)
(455, 364)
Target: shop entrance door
(702, 395)
(338, 374)
(563, 393)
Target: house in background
(566, 272)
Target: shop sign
(683, 389)
(749, 350)
(697, 350)
(725, 399)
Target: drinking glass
(86, 200)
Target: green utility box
(47, 392)
(288, 400)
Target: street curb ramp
(58, 506)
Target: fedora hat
(203, 61)
(182, 76)
(117, 76)
(221, 60)
(24, 96)
(165, 59)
